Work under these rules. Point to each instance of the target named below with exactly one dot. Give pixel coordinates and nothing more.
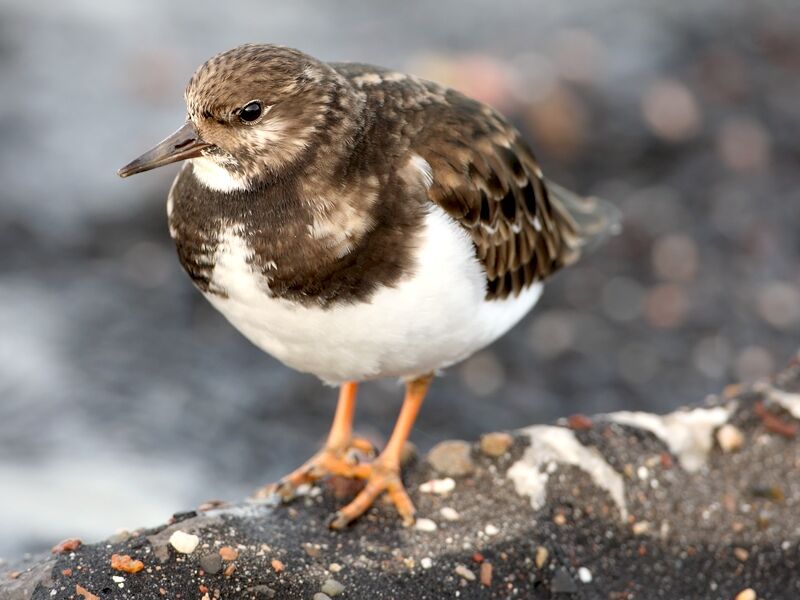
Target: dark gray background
(124, 396)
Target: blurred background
(124, 397)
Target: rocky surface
(700, 503)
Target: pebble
(425, 525)
(641, 527)
(438, 486)
(741, 554)
(426, 563)
(491, 530)
(452, 458)
(464, 572)
(730, 438)
(747, 594)
(183, 542)
(585, 575)
(331, 587)
(228, 553)
(449, 514)
(541, 556)
(334, 567)
(496, 444)
(562, 582)
(211, 563)
(321, 596)
(486, 573)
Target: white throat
(215, 177)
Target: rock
(183, 542)
(321, 596)
(332, 588)
(730, 438)
(562, 582)
(496, 444)
(747, 594)
(585, 575)
(465, 573)
(438, 486)
(560, 520)
(211, 563)
(227, 553)
(449, 514)
(425, 525)
(452, 458)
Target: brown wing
(486, 178)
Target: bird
(358, 223)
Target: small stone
(123, 535)
(227, 553)
(541, 556)
(425, 525)
(486, 573)
(334, 567)
(321, 596)
(496, 444)
(562, 582)
(464, 572)
(491, 530)
(229, 570)
(438, 486)
(263, 591)
(452, 458)
(747, 594)
(730, 438)
(585, 575)
(741, 554)
(277, 565)
(69, 545)
(123, 562)
(332, 588)
(211, 563)
(426, 563)
(183, 542)
(118, 579)
(449, 514)
(641, 527)
(560, 519)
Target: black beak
(184, 143)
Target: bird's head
(252, 112)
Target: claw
(380, 479)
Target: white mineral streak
(553, 445)
(689, 434)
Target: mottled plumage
(357, 223)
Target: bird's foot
(381, 477)
(331, 460)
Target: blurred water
(125, 397)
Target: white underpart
(432, 319)
(216, 177)
(551, 446)
(689, 434)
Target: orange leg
(383, 474)
(335, 458)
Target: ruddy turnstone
(356, 223)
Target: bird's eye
(250, 111)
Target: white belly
(429, 321)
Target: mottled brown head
(259, 105)
(252, 112)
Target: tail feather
(588, 221)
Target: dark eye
(250, 111)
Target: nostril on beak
(184, 143)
